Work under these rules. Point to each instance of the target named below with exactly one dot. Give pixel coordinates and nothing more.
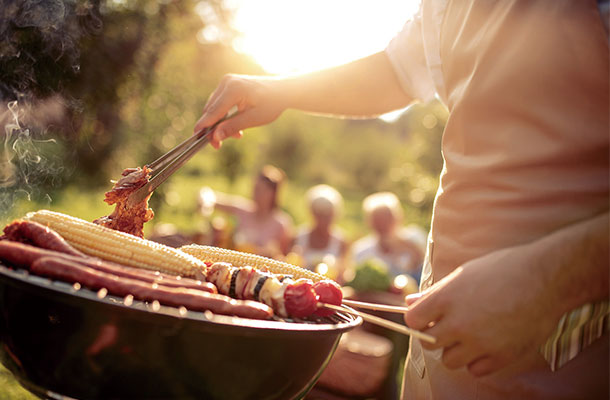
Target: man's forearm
(575, 262)
(364, 88)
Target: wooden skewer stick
(383, 322)
(375, 306)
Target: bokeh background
(88, 88)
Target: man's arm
(367, 87)
(364, 88)
(575, 260)
(496, 308)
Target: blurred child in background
(322, 246)
(399, 248)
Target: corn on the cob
(119, 247)
(239, 259)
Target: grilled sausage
(40, 236)
(148, 276)
(23, 255)
(20, 254)
(66, 270)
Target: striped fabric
(576, 330)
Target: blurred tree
(230, 161)
(94, 57)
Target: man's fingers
(234, 126)
(423, 312)
(223, 132)
(412, 298)
(214, 96)
(217, 108)
(483, 366)
(444, 337)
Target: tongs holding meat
(163, 167)
(131, 192)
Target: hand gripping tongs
(163, 167)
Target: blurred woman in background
(399, 248)
(262, 228)
(322, 245)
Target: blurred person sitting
(397, 247)
(322, 242)
(262, 228)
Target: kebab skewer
(288, 297)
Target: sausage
(148, 276)
(40, 236)
(66, 270)
(23, 255)
(20, 254)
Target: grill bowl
(59, 341)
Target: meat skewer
(291, 298)
(287, 297)
(333, 291)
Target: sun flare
(292, 36)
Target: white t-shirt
(312, 256)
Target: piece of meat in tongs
(127, 216)
(130, 194)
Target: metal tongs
(163, 167)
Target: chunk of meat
(129, 218)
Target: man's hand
(488, 312)
(363, 88)
(255, 98)
(493, 309)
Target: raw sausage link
(23, 255)
(40, 236)
(66, 270)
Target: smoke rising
(40, 43)
(25, 167)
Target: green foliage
(371, 276)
